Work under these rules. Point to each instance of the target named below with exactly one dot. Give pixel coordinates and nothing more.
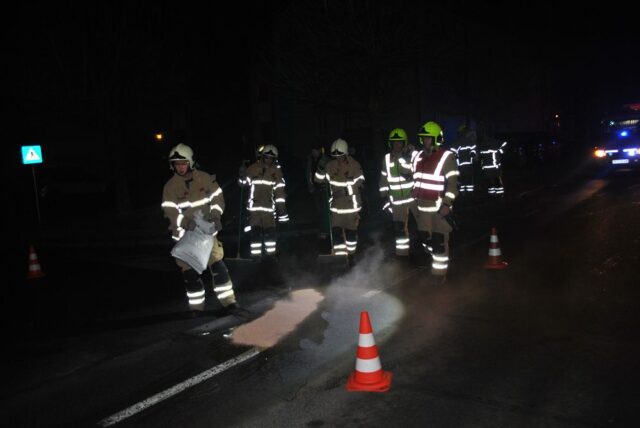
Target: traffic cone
(495, 255)
(34, 266)
(368, 375)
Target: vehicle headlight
(599, 153)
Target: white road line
(176, 389)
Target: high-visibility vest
(396, 180)
(428, 176)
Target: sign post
(32, 155)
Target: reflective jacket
(465, 150)
(396, 180)
(345, 181)
(435, 178)
(267, 188)
(491, 151)
(182, 197)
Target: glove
(191, 225)
(283, 217)
(444, 210)
(447, 215)
(217, 224)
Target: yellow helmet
(432, 129)
(397, 134)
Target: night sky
(110, 74)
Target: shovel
(333, 260)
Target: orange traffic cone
(34, 266)
(495, 255)
(368, 375)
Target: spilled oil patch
(279, 321)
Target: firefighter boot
(195, 291)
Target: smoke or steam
(348, 294)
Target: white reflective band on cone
(366, 340)
(495, 252)
(494, 239)
(368, 366)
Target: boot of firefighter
(439, 258)
(270, 243)
(222, 284)
(339, 246)
(401, 239)
(256, 242)
(194, 288)
(351, 240)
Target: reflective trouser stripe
(195, 297)
(270, 246)
(440, 263)
(224, 293)
(340, 249)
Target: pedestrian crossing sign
(31, 155)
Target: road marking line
(176, 389)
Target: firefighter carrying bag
(194, 248)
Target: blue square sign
(31, 155)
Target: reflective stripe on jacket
(345, 181)
(435, 176)
(396, 181)
(267, 187)
(182, 197)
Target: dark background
(93, 82)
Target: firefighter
(345, 178)
(465, 149)
(435, 175)
(491, 152)
(317, 191)
(396, 184)
(266, 201)
(190, 190)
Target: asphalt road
(549, 341)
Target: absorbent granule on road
(279, 321)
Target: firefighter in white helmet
(190, 190)
(435, 175)
(396, 185)
(266, 201)
(346, 180)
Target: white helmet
(181, 152)
(269, 150)
(339, 148)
